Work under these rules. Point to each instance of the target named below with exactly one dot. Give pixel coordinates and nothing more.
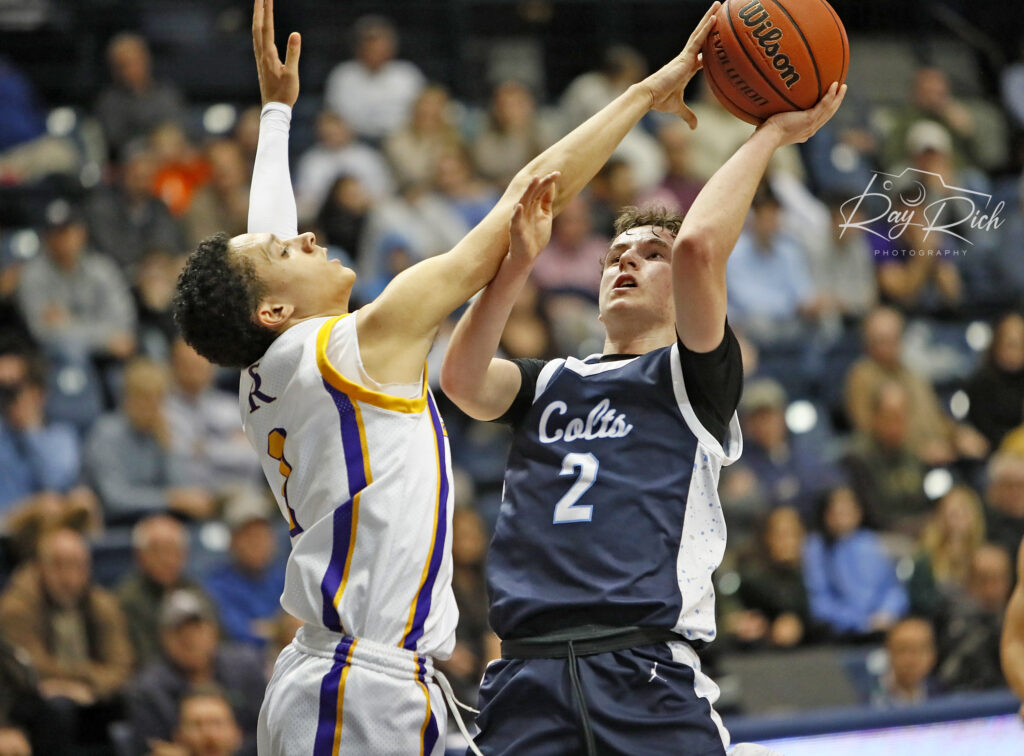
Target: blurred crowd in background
(879, 501)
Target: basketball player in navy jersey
(350, 440)
(599, 573)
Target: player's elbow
(695, 250)
(453, 382)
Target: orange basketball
(768, 56)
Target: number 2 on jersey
(567, 509)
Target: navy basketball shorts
(651, 700)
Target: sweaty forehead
(252, 245)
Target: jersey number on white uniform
(567, 509)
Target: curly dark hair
(215, 302)
(653, 215)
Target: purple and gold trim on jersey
(428, 732)
(346, 517)
(421, 604)
(275, 449)
(356, 391)
(332, 701)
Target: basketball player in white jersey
(599, 572)
(352, 444)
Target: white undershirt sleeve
(271, 197)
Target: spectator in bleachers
(36, 456)
(621, 67)
(929, 283)
(572, 259)
(191, 657)
(75, 301)
(13, 741)
(27, 152)
(153, 288)
(160, 545)
(851, 581)
(342, 218)
(203, 429)
(931, 434)
(771, 292)
(513, 134)
(247, 589)
(777, 468)
(774, 608)
(996, 390)
(414, 149)
(134, 103)
(128, 454)
(679, 188)
(125, 219)
(842, 267)
(457, 181)
(911, 652)
(206, 727)
(969, 641)
(426, 223)
(374, 92)
(952, 534)
(337, 152)
(74, 633)
(222, 204)
(613, 188)
(1004, 500)
(931, 100)
(887, 476)
(180, 168)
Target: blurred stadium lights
(959, 404)
(937, 483)
(90, 174)
(24, 244)
(978, 335)
(801, 416)
(220, 118)
(60, 122)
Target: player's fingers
(689, 116)
(268, 27)
(257, 26)
(704, 25)
(291, 56)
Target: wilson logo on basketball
(756, 18)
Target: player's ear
(271, 314)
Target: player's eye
(654, 255)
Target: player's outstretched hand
(530, 228)
(800, 125)
(668, 82)
(279, 82)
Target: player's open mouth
(625, 281)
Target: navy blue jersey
(610, 512)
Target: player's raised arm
(484, 387)
(713, 224)
(396, 330)
(1012, 645)
(271, 199)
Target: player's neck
(641, 342)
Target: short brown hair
(652, 215)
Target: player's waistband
(585, 640)
(363, 652)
